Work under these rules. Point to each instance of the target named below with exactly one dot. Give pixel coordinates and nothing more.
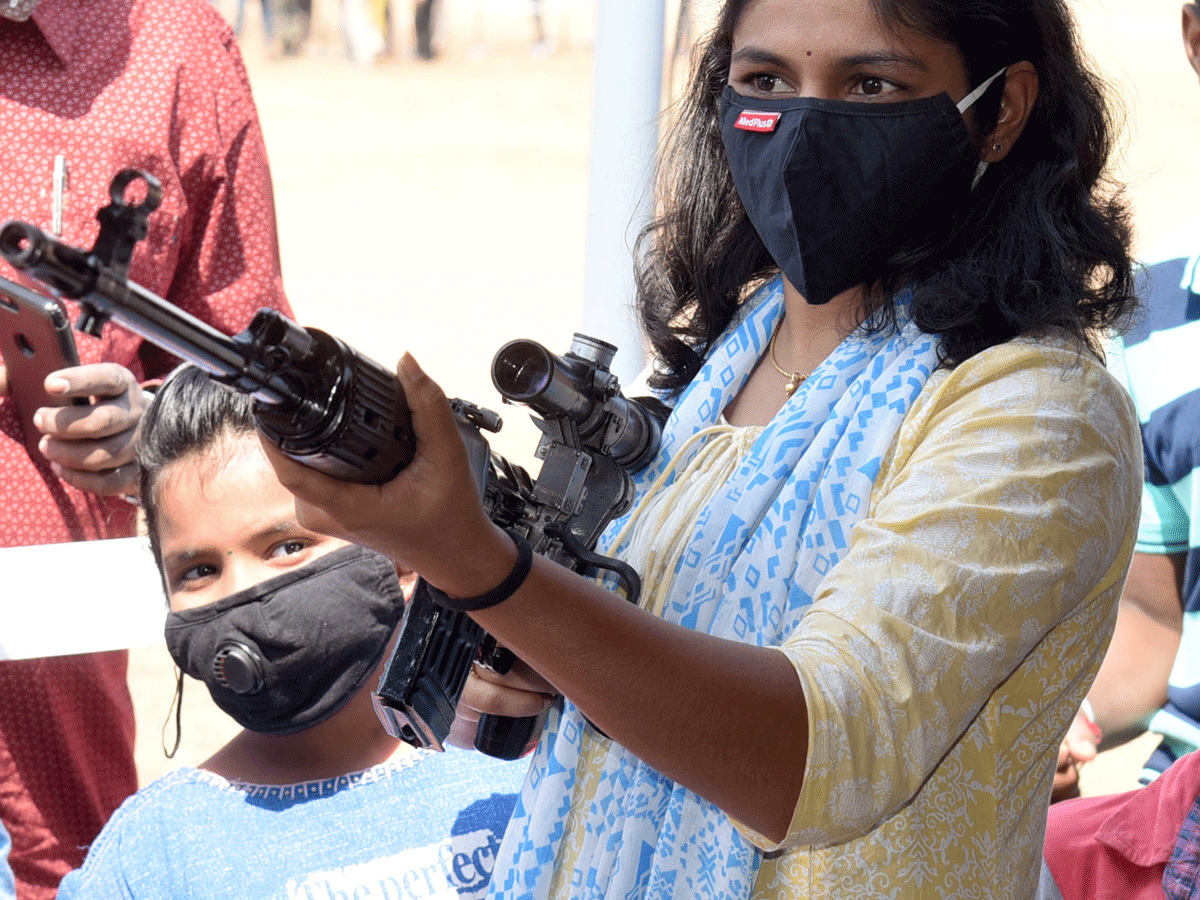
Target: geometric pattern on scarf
(759, 551)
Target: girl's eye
(190, 578)
(288, 548)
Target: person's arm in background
(91, 447)
(1132, 681)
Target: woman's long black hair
(1042, 246)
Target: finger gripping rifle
(335, 410)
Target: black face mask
(290, 651)
(834, 188)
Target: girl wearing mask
(883, 540)
(288, 629)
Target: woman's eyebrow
(886, 58)
(758, 57)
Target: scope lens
(522, 370)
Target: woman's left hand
(520, 693)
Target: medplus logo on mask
(752, 120)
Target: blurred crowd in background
(369, 31)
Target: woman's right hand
(429, 518)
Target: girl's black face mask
(290, 651)
(834, 188)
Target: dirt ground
(441, 207)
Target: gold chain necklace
(795, 379)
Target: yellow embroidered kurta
(945, 655)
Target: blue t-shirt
(1160, 365)
(426, 826)
(8, 885)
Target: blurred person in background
(87, 88)
(268, 22)
(423, 21)
(541, 42)
(1142, 844)
(1150, 678)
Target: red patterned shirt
(91, 87)
(1138, 845)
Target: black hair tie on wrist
(501, 592)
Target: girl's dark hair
(190, 413)
(1042, 245)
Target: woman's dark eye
(872, 86)
(768, 84)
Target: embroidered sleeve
(1006, 505)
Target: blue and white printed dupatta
(758, 552)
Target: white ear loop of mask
(966, 103)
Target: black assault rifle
(333, 409)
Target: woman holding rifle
(882, 543)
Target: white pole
(627, 86)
